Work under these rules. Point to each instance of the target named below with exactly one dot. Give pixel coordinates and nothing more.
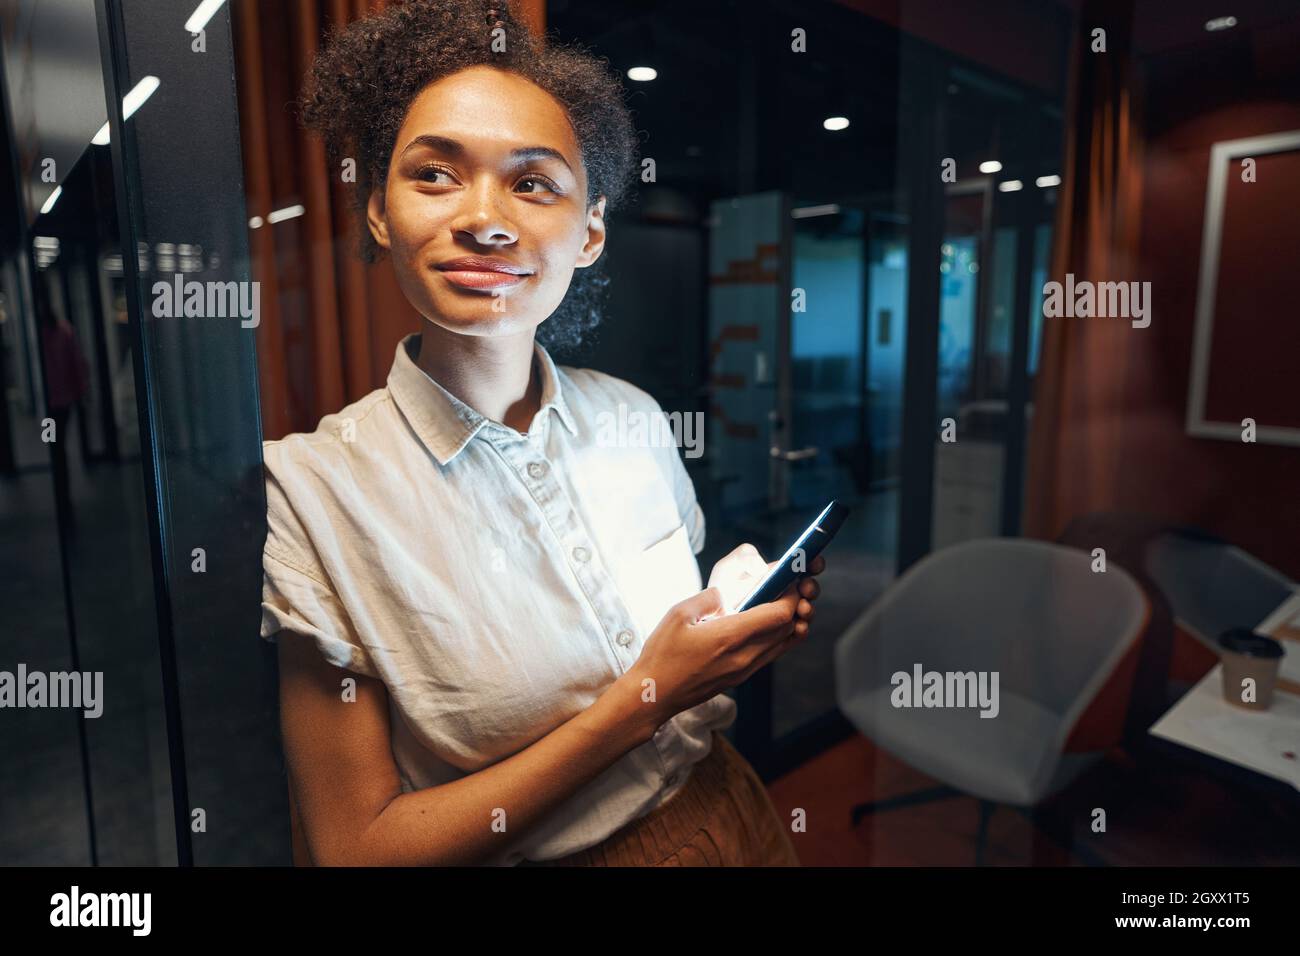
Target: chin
(463, 320)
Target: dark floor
(1161, 811)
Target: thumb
(698, 606)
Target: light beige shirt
(496, 582)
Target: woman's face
(486, 165)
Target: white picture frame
(1221, 156)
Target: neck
(494, 375)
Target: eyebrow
(524, 153)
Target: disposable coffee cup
(1246, 654)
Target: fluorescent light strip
(130, 103)
(288, 212)
(202, 14)
(808, 212)
(54, 197)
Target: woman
(493, 643)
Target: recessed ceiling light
(990, 166)
(1010, 186)
(1042, 182)
(836, 123)
(1220, 23)
(642, 74)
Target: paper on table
(1284, 624)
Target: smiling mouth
(481, 279)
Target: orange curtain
(329, 323)
(1079, 402)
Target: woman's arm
(349, 795)
(345, 781)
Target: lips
(483, 272)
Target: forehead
(490, 110)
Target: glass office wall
(131, 491)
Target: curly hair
(366, 76)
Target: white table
(1257, 740)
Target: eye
(428, 173)
(540, 180)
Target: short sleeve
(688, 507)
(295, 597)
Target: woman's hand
(738, 573)
(700, 649)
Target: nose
(483, 217)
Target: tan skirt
(723, 816)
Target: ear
(377, 216)
(595, 243)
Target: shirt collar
(446, 424)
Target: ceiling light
(809, 212)
(288, 212)
(642, 74)
(836, 123)
(1220, 23)
(1042, 182)
(1010, 186)
(130, 103)
(202, 14)
(990, 166)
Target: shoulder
(310, 477)
(338, 439)
(602, 392)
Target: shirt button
(537, 468)
(624, 638)
(581, 554)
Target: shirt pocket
(657, 577)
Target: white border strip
(1211, 240)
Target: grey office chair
(1034, 612)
(1213, 586)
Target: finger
(810, 588)
(699, 606)
(796, 636)
(805, 610)
(818, 565)
(763, 622)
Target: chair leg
(1049, 828)
(982, 834)
(903, 800)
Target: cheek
(410, 226)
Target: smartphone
(806, 547)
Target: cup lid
(1242, 640)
